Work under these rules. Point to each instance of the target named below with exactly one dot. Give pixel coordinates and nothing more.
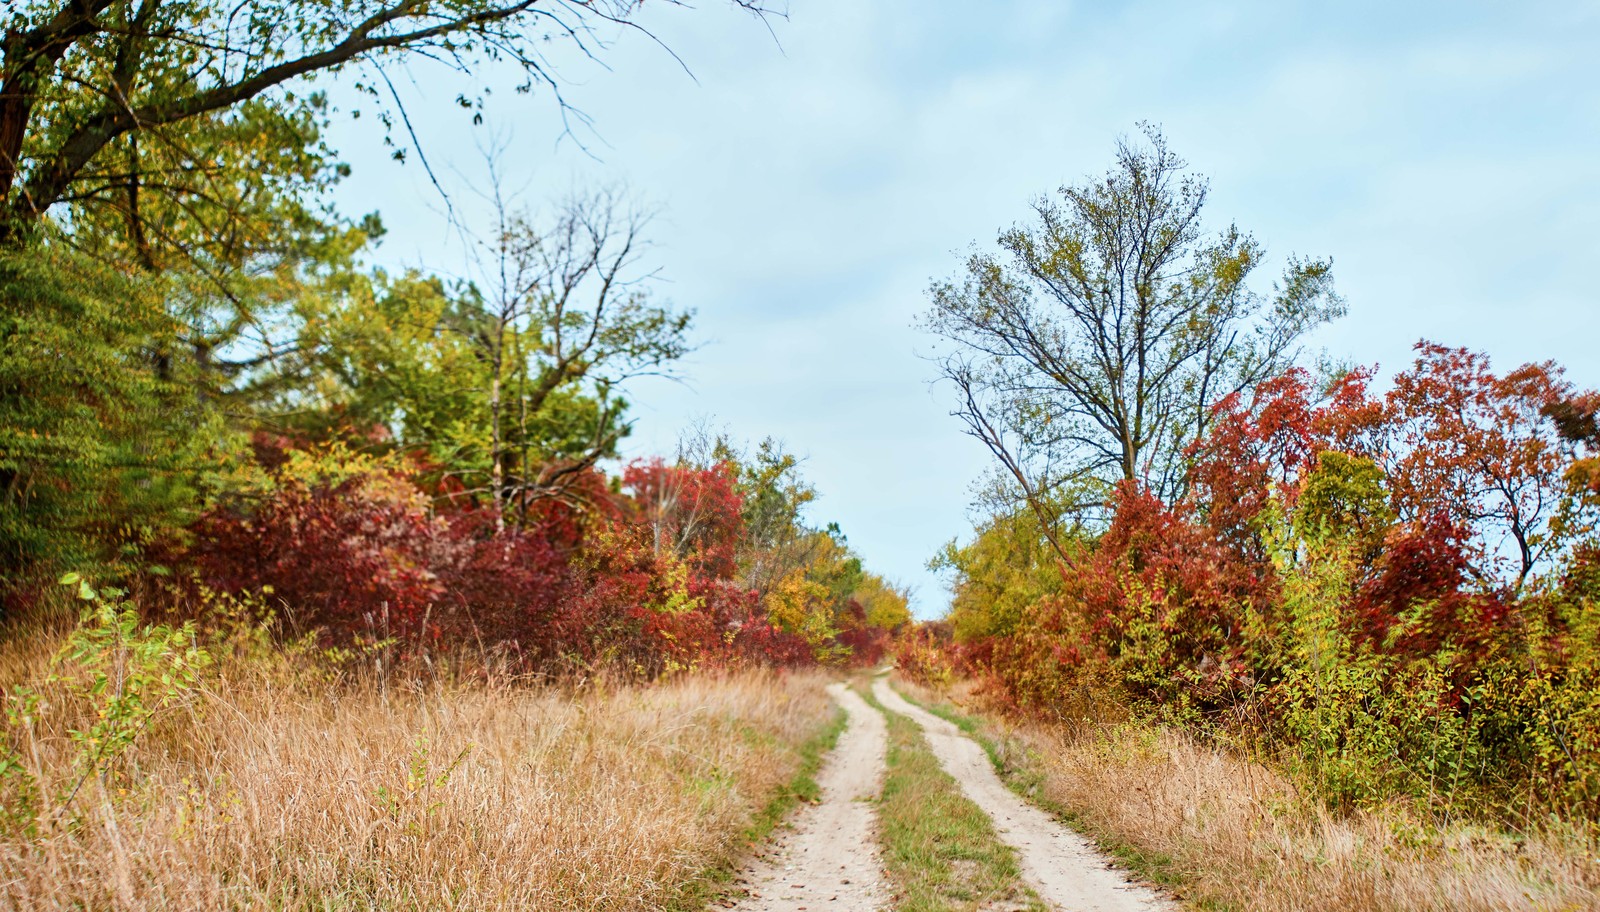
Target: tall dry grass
(279, 789)
(1228, 832)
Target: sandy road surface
(1067, 872)
(828, 860)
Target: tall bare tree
(567, 307)
(1092, 346)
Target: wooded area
(207, 391)
(283, 532)
(1387, 583)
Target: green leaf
(71, 577)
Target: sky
(813, 173)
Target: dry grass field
(271, 787)
(1227, 833)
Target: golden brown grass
(275, 790)
(1230, 833)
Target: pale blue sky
(1446, 155)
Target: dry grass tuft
(269, 791)
(1232, 833)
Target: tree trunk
(16, 106)
(496, 470)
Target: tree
(512, 382)
(1577, 421)
(995, 577)
(1450, 446)
(1477, 450)
(1091, 348)
(185, 138)
(1255, 453)
(885, 605)
(775, 497)
(83, 82)
(95, 443)
(566, 306)
(690, 511)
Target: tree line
(1386, 582)
(209, 394)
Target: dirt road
(1065, 870)
(828, 859)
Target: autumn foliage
(1395, 588)
(641, 578)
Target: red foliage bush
(694, 513)
(1158, 605)
(627, 610)
(757, 641)
(502, 588)
(867, 644)
(1417, 602)
(1254, 452)
(1356, 577)
(642, 582)
(355, 557)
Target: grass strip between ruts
(1011, 763)
(941, 850)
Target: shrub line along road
(828, 859)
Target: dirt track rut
(828, 857)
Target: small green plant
(417, 801)
(124, 672)
(19, 788)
